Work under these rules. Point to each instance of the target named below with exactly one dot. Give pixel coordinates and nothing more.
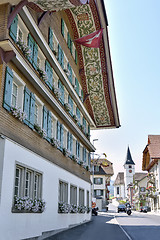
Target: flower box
(40, 131)
(28, 205)
(24, 48)
(67, 107)
(18, 113)
(63, 207)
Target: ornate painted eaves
(94, 68)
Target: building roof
(95, 67)
(138, 176)
(151, 152)
(129, 159)
(119, 179)
(106, 167)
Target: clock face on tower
(130, 171)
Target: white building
(151, 163)
(52, 93)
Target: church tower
(129, 171)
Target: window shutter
(61, 88)
(71, 45)
(101, 180)
(68, 141)
(58, 130)
(13, 29)
(101, 192)
(62, 27)
(61, 135)
(59, 53)
(8, 89)
(88, 130)
(70, 73)
(68, 40)
(84, 124)
(82, 95)
(70, 101)
(49, 73)
(89, 159)
(32, 108)
(49, 125)
(78, 115)
(62, 58)
(50, 39)
(31, 46)
(26, 106)
(45, 118)
(77, 86)
(35, 55)
(71, 143)
(76, 56)
(94, 182)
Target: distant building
(151, 163)
(124, 182)
(100, 177)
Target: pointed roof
(129, 158)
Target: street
(115, 226)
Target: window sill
(24, 211)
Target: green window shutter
(88, 130)
(78, 149)
(59, 53)
(68, 40)
(71, 45)
(31, 47)
(61, 135)
(62, 27)
(31, 112)
(84, 155)
(68, 141)
(76, 56)
(50, 39)
(70, 73)
(49, 125)
(8, 89)
(13, 29)
(58, 130)
(62, 59)
(26, 106)
(70, 101)
(101, 180)
(101, 192)
(77, 86)
(60, 56)
(49, 73)
(94, 182)
(61, 88)
(84, 124)
(35, 55)
(89, 159)
(45, 112)
(78, 115)
(71, 143)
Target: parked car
(121, 208)
(145, 209)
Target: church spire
(129, 158)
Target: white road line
(122, 228)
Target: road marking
(122, 229)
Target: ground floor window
(28, 190)
(63, 206)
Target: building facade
(151, 163)
(100, 178)
(48, 103)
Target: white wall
(24, 225)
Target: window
(28, 183)
(130, 166)
(81, 197)
(96, 168)
(73, 195)
(69, 42)
(63, 192)
(117, 190)
(20, 35)
(84, 125)
(34, 51)
(36, 114)
(60, 56)
(70, 101)
(87, 198)
(98, 192)
(78, 116)
(61, 88)
(14, 94)
(98, 180)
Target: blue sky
(134, 36)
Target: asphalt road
(115, 226)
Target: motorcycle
(95, 211)
(128, 210)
